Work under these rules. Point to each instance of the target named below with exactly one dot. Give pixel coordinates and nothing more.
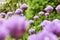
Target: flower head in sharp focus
(45, 35)
(3, 15)
(32, 31)
(17, 26)
(19, 11)
(24, 6)
(58, 8)
(36, 17)
(53, 27)
(41, 13)
(10, 14)
(48, 8)
(44, 23)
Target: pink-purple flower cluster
(50, 31)
(16, 25)
(43, 35)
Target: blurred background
(34, 6)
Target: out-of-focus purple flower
(32, 37)
(32, 31)
(10, 14)
(58, 8)
(44, 35)
(53, 27)
(48, 8)
(2, 21)
(41, 13)
(31, 22)
(3, 15)
(36, 17)
(17, 26)
(24, 6)
(4, 33)
(56, 21)
(21, 14)
(44, 23)
(19, 11)
(47, 15)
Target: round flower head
(48, 8)
(44, 23)
(44, 35)
(31, 22)
(4, 33)
(32, 37)
(17, 26)
(3, 15)
(32, 31)
(18, 11)
(24, 6)
(58, 8)
(2, 21)
(10, 14)
(41, 13)
(47, 15)
(36, 17)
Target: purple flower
(31, 31)
(47, 15)
(44, 23)
(53, 27)
(3, 15)
(48, 8)
(41, 13)
(4, 33)
(10, 14)
(19, 11)
(56, 21)
(36, 17)
(21, 14)
(58, 8)
(24, 6)
(17, 26)
(2, 21)
(32, 37)
(44, 35)
(31, 22)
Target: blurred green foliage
(35, 6)
(11, 5)
(38, 5)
